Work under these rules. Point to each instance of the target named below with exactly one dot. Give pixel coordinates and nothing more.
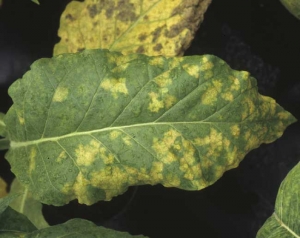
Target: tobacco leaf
(3, 186)
(293, 6)
(25, 204)
(159, 27)
(285, 221)
(88, 125)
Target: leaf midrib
(282, 224)
(15, 144)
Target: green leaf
(285, 221)
(36, 2)
(5, 201)
(102, 121)
(2, 125)
(25, 204)
(293, 6)
(152, 27)
(77, 228)
(3, 186)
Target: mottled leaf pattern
(285, 221)
(25, 204)
(152, 27)
(102, 121)
(293, 6)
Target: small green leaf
(2, 125)
(102, 121)
(36, 1)
(293, 6)
(151, 27)
(285, 221)
(26, 205)
(75, 228)
(3, 186)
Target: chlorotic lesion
(60, 94)
(63, 155)
(87, 154)
(32, 159)
(192, 69)
(156, 104)
(115, 86)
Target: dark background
(259, 36)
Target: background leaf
(293, 6)
(2, 124)
(75, 228)
(3, 186)
(159, 27)
(285, 221)
(103, 121)
(25, 204)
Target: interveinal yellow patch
(114, 134)
(155, 105)
(235, 130)
(283, 115)
(206, 66)
(163, 146)
(163, 80)
(21, 120)
(209, 96)
(132, 26)
(80, 189)
(236, 83)
(62, 156)
(227, 96)
(127, 140)
(87, 154)
(192, 70)
(115, 86)
(157, 61)
(32, 159)
(60, 95)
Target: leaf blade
(182, 122)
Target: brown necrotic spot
(93, 11)
(126, 11)
(80, 49)
(156, 33)
(140, 50)
(157, 47)
(142, 36)
(70, 17)
(174, 30)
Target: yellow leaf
(152, 27)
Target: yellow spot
(32, 158)
(156, 172)
(283, 115)
(235, 130)
(208, 74)
(209, 96)
(127, 140)
(169, 100)
(163, 80)
(80, 189)
(236, 84)
(114, 134)
(62, 155)
(21, 120)
(86, 155)
(61, 93)
(171, 180)
(156, 61)
(155, 104)
(192, 70)
(218, 85)
(204, 59)
(115, 86)
(206, 66)
(228, 96)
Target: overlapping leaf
(159, 27)
(101, 122)
(14, 224)
(285, 221)
(3, 186)
(293, 6)
(25, 204)
(2, 124)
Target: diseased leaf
(285, 221)
(75, 228)
(103, 121)
(159, 27)
(25, 204)
(293, 6)
(3, 186)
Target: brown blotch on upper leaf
(93, 11)
(70, 17)
(109, 9)
(80, 49)
(156, 33)
(142, 37)
(140, 50)
(157, 47)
